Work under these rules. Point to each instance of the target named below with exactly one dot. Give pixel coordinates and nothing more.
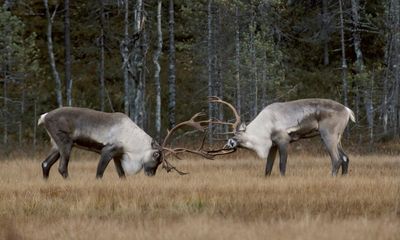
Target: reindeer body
(113, 135)
(279, 124)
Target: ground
(227, 198)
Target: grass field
(222, 199)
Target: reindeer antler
(234, 125)
(200, 126)
(191, 122)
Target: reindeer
(281, 123)
(114, 136)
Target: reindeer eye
(156, 155)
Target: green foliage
(288, 44)
(19, 54)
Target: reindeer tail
(41, 119)
(351, 113)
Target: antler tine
(215, 99)
(222, 151)
(168, 167)
(200, 152)
(191, 122)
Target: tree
(210, 52)
(138, 59)
(325, 26)
(101, 62)
(171, 67)
(18, 65)
(67, 52)
(343, 48)
(156, 57)
(237, 60)
(52, 61)
(124, 48)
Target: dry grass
(222, 199)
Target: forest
(158, 61)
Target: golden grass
(222, 199)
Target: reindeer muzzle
(231, 144)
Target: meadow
(227, 198)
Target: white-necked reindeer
(114, 136)
(279, 124)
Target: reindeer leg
(345, 161)
(64, 145)
(282, 157)
(331, 144)
(52, 158)
(270, 160)
(107, 153)
(118, 166)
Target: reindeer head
(150, 166)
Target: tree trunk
(52, 60)
(22, 114)
(253, 64)
(5, 109)
(34, 126)
(141, 77)
(264, 96)
(171, 67)
(325, 31)
(139, 64)
(209, 66)
(101, 64)
(369, 107)
(156, 58)
(67, 45)
(125, 58)
(237, 62)
(357, 112)
(344, 63)
(219, 79)
(395, 64)
(356, 35)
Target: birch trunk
(356, 35)
(264, 96)
(253, 63)
(395, 64)
(209, 65)
(139, 64)
(369, 106)
(141, 77)
(101, 64)
(5, 109)
(34, 126)
(219, 91)
(156, 58)
(67, 45)
(171, 67)
(325, 31)
(52, 60)
(237, 62)
(21, 118)
(355, 8)
(125, 58)
(344, 62)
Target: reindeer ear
(154, 144)
(242, 127)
